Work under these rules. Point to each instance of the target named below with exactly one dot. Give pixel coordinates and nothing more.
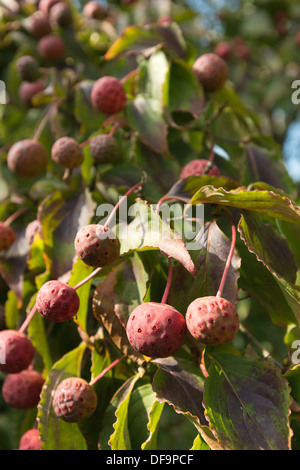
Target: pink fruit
(28, 68)
(156, 329)
(74, 400)
(57, 301)
(211, 71)
(30, 440)
(27, 158)
(51, 47)
(38, 24)
(61, 15)
(93, 10)
(22, 390)
(108, 95)
(67, 153)
(95, 246)
(199, 167)
(103, 148)
(7, 236)
(27, 90)
(223, 49)
(212, 320)
(46, 5)
(17, 351)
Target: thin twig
(104, 372)
(169, 282)
(229, 258)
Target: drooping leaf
(79, 272)
(269, 247)
(56, 433)
(247, 403)
(267, 203)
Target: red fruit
(46, 5)
(22, 390)
(212, 320)
(95, 246)
(61, 15)
(199, 167)
(27, 158)
(16, 350)
(7, 236)
(93, 10)
(223, 49)
(51, 47)
(27, 90)
(104, 148)
(156, 329)
(38, 24)
(108, 95)
(74, 400)
(211, 71)
(30, 440)
(57, 301)
(28, 68)
(67, 152)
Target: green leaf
(12, 312)
(266, 203)
(56, 433)
(120, 439)
(199, 444)
(145, 116)
(247, 403)
(269, 247)
(153, 426)
(89, 118)
(79, 272)
(149, 231)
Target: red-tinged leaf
(149, 231)
(247, 403)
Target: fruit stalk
(107, 369)
(229, 258)
(169, 282)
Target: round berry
(46, 5)
(199, 167)
(27, 90)
(16, 350)
(212, 320)
(22, 390)
(211, 71)
(93, 10)
(74, 400)
(28, 68)
(108, 95)
(7, 236)
(27, 158)
(155, 329)
(51, 47)
(96, 246)
(30, 440)
(61, 15)
(38, 24)
(57, 302)
(67, 152)
(104, 148)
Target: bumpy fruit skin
(156, 330)
(51, 47)
(27, 158)
(108, 95)
(212, 320)
(28, 68)
(38, 24)
(22, 390)
(7, 236)
(197, 168)
(211, 71)
(17, 350)
(67, 153)
(95, 246)
(30, 440)
(74, 400)
(104, 148)
(27, 90)
(57, 301)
